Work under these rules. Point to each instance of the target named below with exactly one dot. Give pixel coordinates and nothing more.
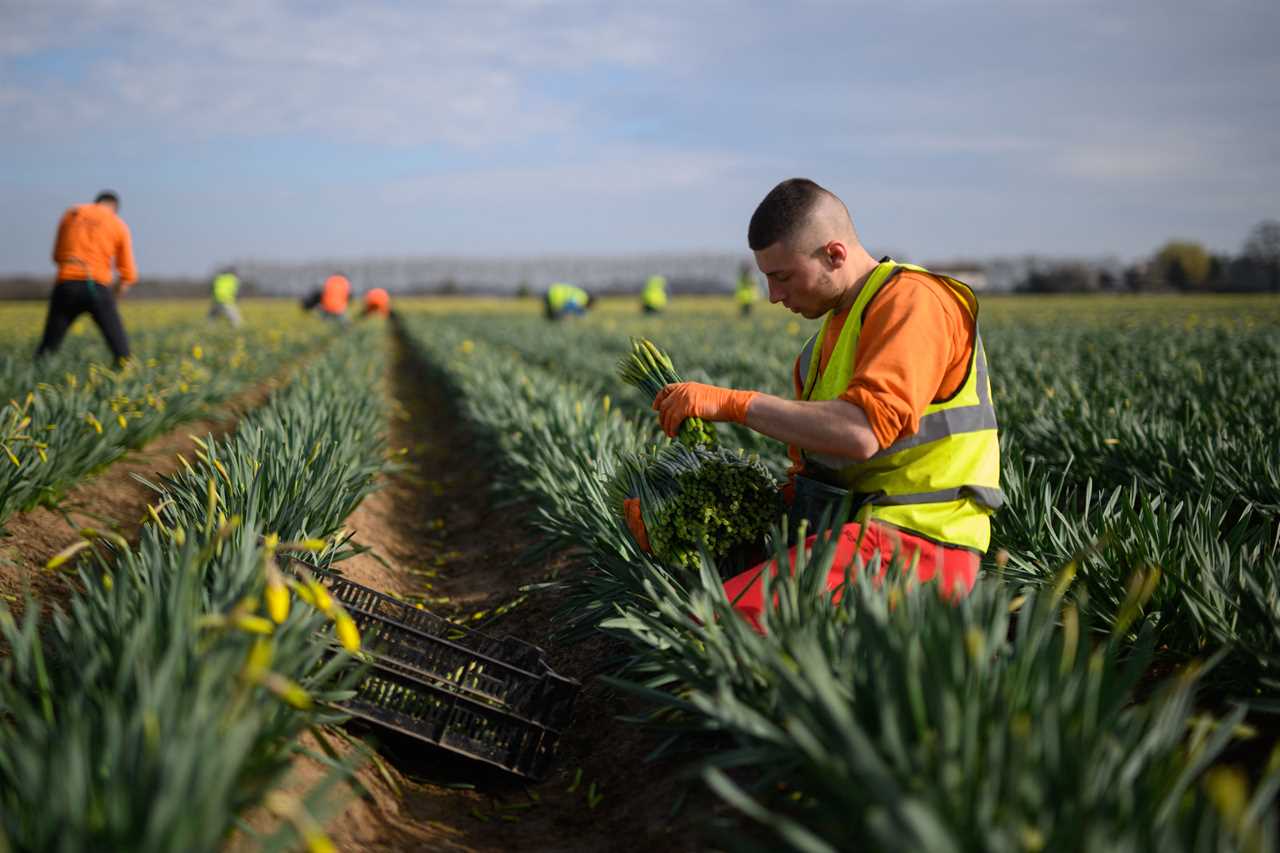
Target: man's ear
(837, 254)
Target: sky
(307, 130)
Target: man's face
(801, 282)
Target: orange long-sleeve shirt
(91, 238)
(377, 301)
(917, 338)
(336, 294)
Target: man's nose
(775, 294)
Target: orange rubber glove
(635, 523)
(683, 400)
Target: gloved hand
(683, 400)
(635, 523)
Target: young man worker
(893, 400)
(91, 238)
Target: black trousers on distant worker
(70, 299)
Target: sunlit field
(1109, 684)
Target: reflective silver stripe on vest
(954, 421)
(935, 426)
(985, 495)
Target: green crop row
(897, 721)
(56, 431)
(166, 699)
(1136, 435)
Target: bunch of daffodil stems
(694, 495)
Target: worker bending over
(892, 398)
(91, 239)
(745, 291)
(331, 299)
(226, 285)
(653, 298)
(564, 300)
(377, 302)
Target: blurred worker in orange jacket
(91, 239)
(377, 301)
(331, 298)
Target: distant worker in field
(564, 300)
(892, 398)
(377, 302)
(330, 300)
(91, 239)
(653, 298)
(226, 286)
(746, 291)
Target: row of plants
(166, 700)
(148, 322)
(1134, 438)
(1019, 719)
(65, 419)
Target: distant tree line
(165, 287)
(1180, 266)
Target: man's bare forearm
(833, 427)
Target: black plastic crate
(410, 706)
(494, 699)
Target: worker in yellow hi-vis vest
(892, 407)
(653, 298)
(564, 300)
(226, 286)
(745, 291)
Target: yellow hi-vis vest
(225, 286)
(560, 294)
(746, 291)
(654, 294)
(943, 482)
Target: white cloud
(1156, 158)
(618, 173)
(458, 73)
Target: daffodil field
(1112, 683)
(70, 413)
(166, 698)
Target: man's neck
(862, 273)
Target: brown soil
(437, 537)
(111, 500)
(433, 535)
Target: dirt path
(111, 500)
(439, 540)
(433, 537)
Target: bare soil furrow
(435, 536)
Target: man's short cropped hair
(782, 212)
(107, 195)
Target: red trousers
(955, 568)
